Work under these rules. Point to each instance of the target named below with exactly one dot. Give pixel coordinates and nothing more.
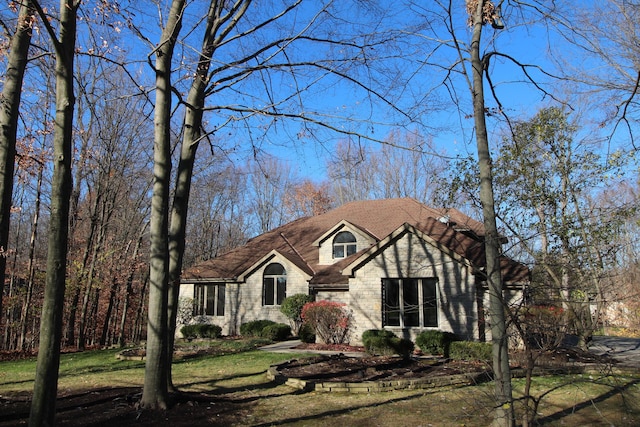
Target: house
(395, 263)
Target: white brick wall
(412, 257)
(244, 300)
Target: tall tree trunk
(137, 324)
(24, 316)
(155, 392)
(129, 290)
(43, 405)
(9, 109)
(218, 16)
(94, 247)
(504, 413)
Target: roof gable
(457, 251)
(341, 226)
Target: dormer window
(344, 244)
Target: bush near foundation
(201, 330)
(292, 308)
(329, 320)
(276, 332)
(435, 342)
(255, 327)
(306, 334)
(470, 350)
(385, 343)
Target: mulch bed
(341, 368)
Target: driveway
(625, 350)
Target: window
(209, 300)
(274, 284)
(410, 302)
(344, 244)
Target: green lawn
(238, 385)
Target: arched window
(274, 284)
(344, 244)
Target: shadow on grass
(335, 412)
(558, 416)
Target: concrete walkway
(290, 347)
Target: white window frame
(347, 248)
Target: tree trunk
(155, 392)
(43, 405)
(190, 142)
(137, 324)
(9, 109)
(24, 316)
(129, 289)
(110, 306)
(504, 413)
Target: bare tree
(482, 12)
(155, 391)
(43, 405)
(406, 165)
(269, 180)
(9, 109)
(271, 45)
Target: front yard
(232, 389)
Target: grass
(238, 378)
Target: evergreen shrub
(255, 327)
(386, 343)
(470, 350)
(435, 342)
(306, 334)
(276, 332)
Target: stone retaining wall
(375, 386)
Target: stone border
(274, 374)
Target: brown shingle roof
(379, 218)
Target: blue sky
(400, 74)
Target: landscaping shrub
(201, 330)
(544, 327)
(306, 334)
(470, 350)
(189, 332)
(386, 343)
(276, 332)
(208, 331)
(435, 342)
(292, 308)
(329, 320)
(254, 328)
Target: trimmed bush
(189, 332)
(306, 334)
(330, 321)
(276, 332)
(254, 328)
(292, 308)
(386, 343)
(201, 330)
(470, 350)
(208, 331)
(435, 342)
